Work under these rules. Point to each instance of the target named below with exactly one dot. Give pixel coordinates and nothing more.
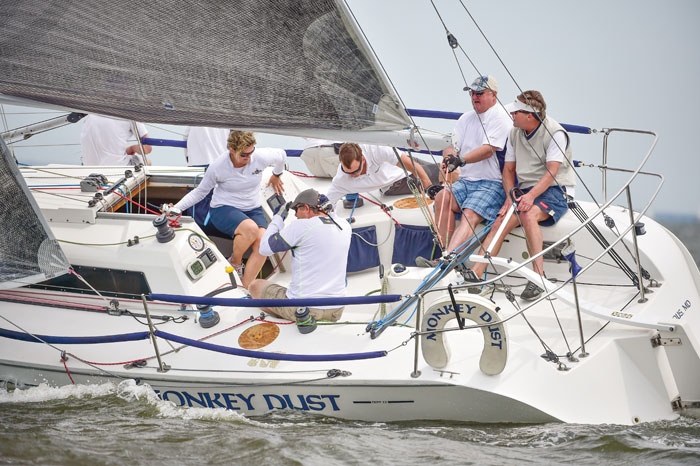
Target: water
(114, 424)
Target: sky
(603, 64)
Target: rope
(381, 206)
(63, 360)
(272, 356)
(598, 236)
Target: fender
(479, 310)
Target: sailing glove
(453, 162)
(283, 210)
(324, 204)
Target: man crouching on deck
(319, 245)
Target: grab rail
(247, 302)
(599, 211)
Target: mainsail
(274, 64)
(28, 251)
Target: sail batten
(257, 64)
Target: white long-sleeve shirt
(236, 187)
(382, 171)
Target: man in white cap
(319, 242)
(536, 152)
(478, 193)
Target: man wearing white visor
(535, 152)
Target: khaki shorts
(272, 291)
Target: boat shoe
(531, 291)
(423, 262)
(470, 277)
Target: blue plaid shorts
(485, 197)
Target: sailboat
(95, 288)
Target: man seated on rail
(536, 152)
(105, 141)
(478, 193)
(319, 242)
(365, 167)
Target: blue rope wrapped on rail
(245, 302)
(265, 355)
(183, 144)
(22, 336)
(455, 116)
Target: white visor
(520, 106)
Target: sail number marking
(682, 310)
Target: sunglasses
(247, 154)
(354, 172)
(477, 93)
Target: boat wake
(44, 392)
(126, 390)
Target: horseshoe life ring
(477, 309)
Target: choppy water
(125, 423)
(119, 424)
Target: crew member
(105, 141)
(365, 167)
(319, 242)
(478, 193)
(204, 145)
(536, 153)
(235, 205)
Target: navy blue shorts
(226, 218)
(554, 202)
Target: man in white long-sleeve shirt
(319, 245)
(365, 167)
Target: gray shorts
(273, 291)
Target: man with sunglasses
(536, 153)
(236, 209)
(365, 167)
(478, 193)
(319, 242)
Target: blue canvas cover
(411, 241)
(362, 255)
